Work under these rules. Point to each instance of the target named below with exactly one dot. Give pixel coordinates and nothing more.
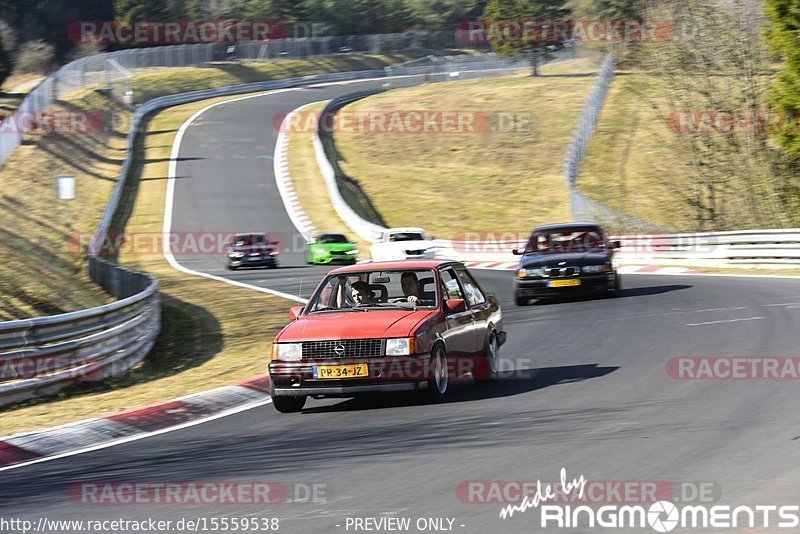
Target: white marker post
(65, 191)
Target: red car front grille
(346, 348)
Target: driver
(410, 284)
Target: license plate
(341, 371)
(564, 283)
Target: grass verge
(506, 178)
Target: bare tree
(711, 80)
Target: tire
(438, 384)
(616, 289)
(521, 301)
(287, 404)
(489, 366)
(231, 267)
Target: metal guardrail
(778, 248)
(41, 356)
(764, 248)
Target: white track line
(170, 197)
(137, 437)
(726, 321)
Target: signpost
(65, 191)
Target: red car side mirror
(516, 252)
(455, 305)
(294, 312)
(616, 244)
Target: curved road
(589, 390)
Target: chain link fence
(583, 207)
(95, 71)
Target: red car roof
(392, 265)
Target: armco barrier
(41, 356)
(778, 248)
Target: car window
(249, 240)
(474, 294)
(379, 288)
(331, 238)
(451, 289)
(567, 240)
(406, 236)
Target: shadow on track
(465, 389)
(651, 290)
(624, 293)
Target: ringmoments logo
(661, 516)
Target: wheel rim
(492, 356)
(440, 372)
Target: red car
(389, 326)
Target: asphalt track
(588, 391)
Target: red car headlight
(288, 352)
(401, 346)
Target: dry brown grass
(494, 180)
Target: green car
(331, 248)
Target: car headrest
(379, 292)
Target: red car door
(460, 336)
(480, 306)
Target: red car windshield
(410, 288)
(572, 240)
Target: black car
(252, 250)
(564, 259)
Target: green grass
(41, 272)
(489, 181)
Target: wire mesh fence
(588, 120)
(583, 207)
